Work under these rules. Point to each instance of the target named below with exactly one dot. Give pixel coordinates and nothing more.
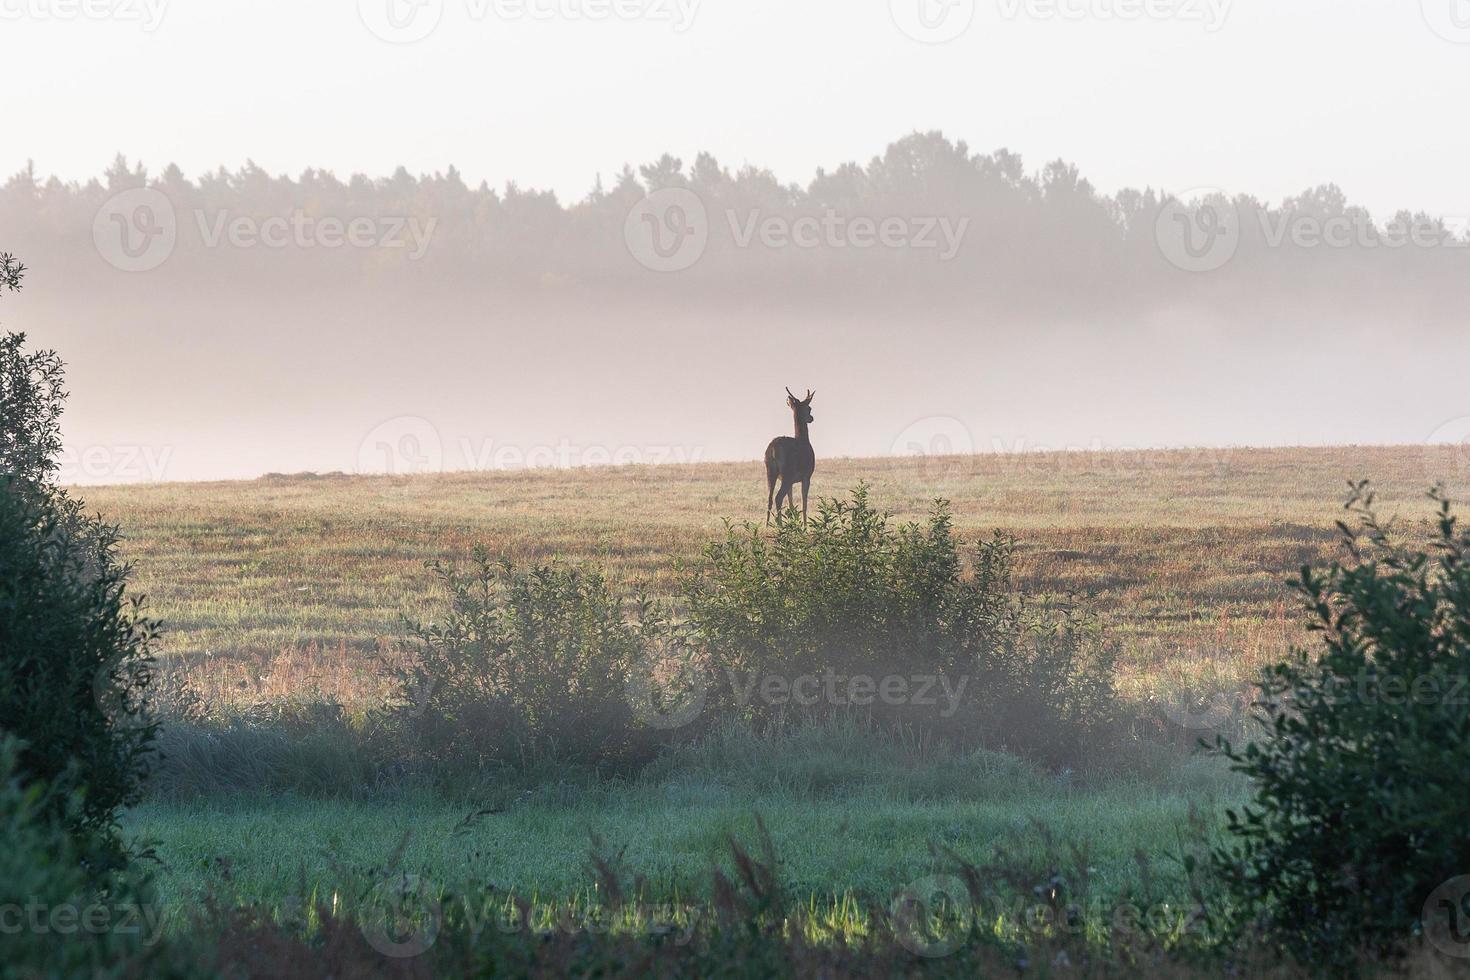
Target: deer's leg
(783, 498)
(805, 486)
(770, 492)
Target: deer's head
(801, 407)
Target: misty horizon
(1044, 314)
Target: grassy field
(291, 588)
(851, 827)
(288, 586)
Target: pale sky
(1266, 97)
(1261, 96)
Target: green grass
(848, 828)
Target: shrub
(74, 647)
(852, 596)
(59, 920)
(31, 397)
(528, 665)
(74, 658)
(1359, 804)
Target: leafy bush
(31, 397)
(74, 647)
(1360, 807)
(527, 665)
(59, 920)
(854, 599)
(74, 658)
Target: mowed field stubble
(294, 586)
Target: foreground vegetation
(540, 777)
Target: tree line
(1041, 241)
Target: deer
(791, 459)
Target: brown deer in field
(791, 459)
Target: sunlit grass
(272, 587)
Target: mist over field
(388, 392)
(938, 298)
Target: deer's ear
(809, 396)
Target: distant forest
(1045, 242)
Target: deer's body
(790, 459)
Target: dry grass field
(291, 586)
